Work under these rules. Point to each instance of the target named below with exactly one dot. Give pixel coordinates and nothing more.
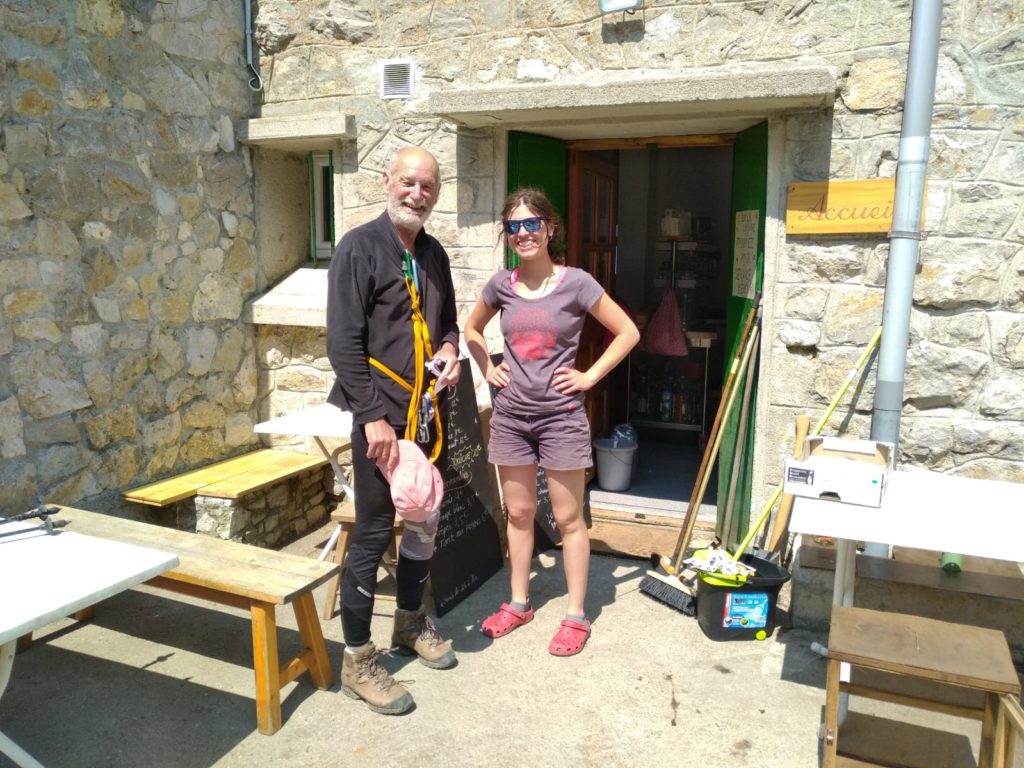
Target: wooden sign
(841, 207)
(467, 549)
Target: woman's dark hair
(538, 202)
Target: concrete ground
(162, 680)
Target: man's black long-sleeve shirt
(369, 314)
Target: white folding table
(49, 575)
(922, 510)
(319, 422)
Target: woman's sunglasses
(532, 224)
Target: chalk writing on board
(465, 587)
(467, 548)
(545, 517)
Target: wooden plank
(842, 761)
(184, 486)
(934, 577)
(266, 667)
(662, 142)
(1014, 712)
(870, 740)
(228, 566)
(965, 702)
(924, 648)
(640, 534)
(980, 576)
(315, 656)
(968, 562)
(840, 207)
(279, 466)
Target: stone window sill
(300, 299)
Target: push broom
(680, 597)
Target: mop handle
(850, 378)
(748, 349)
(708, 457)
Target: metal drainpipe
(904, 239)
(255, 82)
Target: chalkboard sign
(544, 520)
(467, 549)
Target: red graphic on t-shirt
(532, 334)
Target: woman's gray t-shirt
(541, 335)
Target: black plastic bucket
(732, 609)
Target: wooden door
(591, 244)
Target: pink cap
(417, 488)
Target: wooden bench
(928, 654)
(241, 576)
(345, 517)
(228, 479)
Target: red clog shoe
(505, 620)
(570, 638)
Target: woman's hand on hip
(498, 375)
(569, 380)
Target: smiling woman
(539, 417)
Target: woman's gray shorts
(559, 440)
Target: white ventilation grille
(397, 77)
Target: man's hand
(382, 443)
(452, 370)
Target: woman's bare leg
(519, 487)
(565, 487)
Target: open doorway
(673, 228)
(675, 201)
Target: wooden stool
(920, 649)
(1009, 727)
(345, 517)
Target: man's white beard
(407, 217)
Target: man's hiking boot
(414, 631)
(363, 677)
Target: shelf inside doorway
(666, 425)
(682, 283)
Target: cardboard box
(850, 471)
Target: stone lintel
(300, 299)
(298, 133)
(731, 96)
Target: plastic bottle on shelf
(642, 399)
(679, 406)
(666, 401)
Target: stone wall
(269, 517)
(964, 409)
(128, 225)
(126, 246)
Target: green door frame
(749, 196)
(541, 162)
